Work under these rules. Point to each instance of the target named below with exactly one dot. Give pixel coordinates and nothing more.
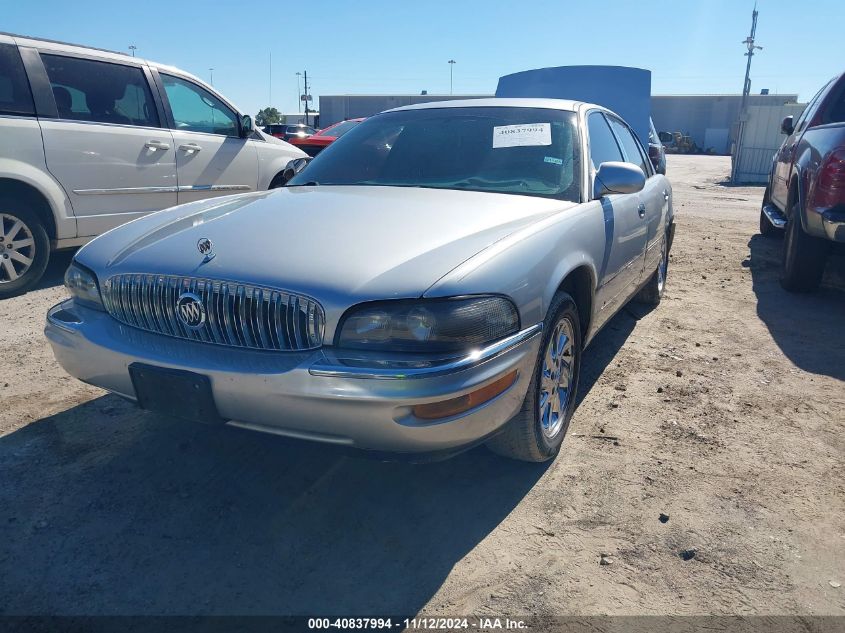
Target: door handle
(641, 210)
(666, 195)
(154, 145)
(190, 148)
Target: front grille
(238, 315)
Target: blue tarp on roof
(625, 90)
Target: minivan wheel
(537, 431)
(24, 251)
(804, 256)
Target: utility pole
(452, 63)
(749, 43)
(306, 94)
(270, 91)
(133, 48)
(736, 149)
(211, 72)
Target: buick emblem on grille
(206, 248)
(190, 309)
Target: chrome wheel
(17, 248)
(557, 377)
(662, 267)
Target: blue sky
(396, 46)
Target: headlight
(82, 284)
(428, 325)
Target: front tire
(537, 431)
(24, 250)
(804, 257)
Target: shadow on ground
(105, 509)
(55, 273)
(808, 328)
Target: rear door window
(603, 145)
(633, 152)
(100, 92)
(15, 95)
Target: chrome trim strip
(329, 370)
(180, 188)
(213, 188)
(122, 190)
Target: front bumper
(364, 402)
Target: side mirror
(247, 127)
(294, 167)
(787, 126)
(617, 177)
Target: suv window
(88, 90)
(197, 110)
(15, 96)
(603, 146)
(633, 153)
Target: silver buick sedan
(428, 283)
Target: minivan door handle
(155, 145)
(641, 209)
(191, 148)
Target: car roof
(494, 102)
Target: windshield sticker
(522, 135)
(553, 160)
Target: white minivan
(90, 139)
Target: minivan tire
(14, 277)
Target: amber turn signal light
(454, 406)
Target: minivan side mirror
(617, 177)
(247, 127)
(294, 167)
(787, 126)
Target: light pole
(211, 71)
(133, 48)
(452, 63)
(298, 93)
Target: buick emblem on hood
(190, 309)
(206, 248)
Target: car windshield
(526, 151)
(340, 129)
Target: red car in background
(314, 144)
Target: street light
(133, 48)
(211, 70)
(298, 93)
(452, 63)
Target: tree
(268, 116)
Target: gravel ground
(705, 461)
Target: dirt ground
(723, 409)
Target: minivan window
(15, 96)
(197, 110)
(101, 92)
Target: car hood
(340, 245)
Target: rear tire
(652, 292)
(804, 257)
(24, 249)
(537, 431)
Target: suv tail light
(830, 187)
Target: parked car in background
(314, 144)
(426, 284)
(287, 132)
(92, 139)
(806, 190)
